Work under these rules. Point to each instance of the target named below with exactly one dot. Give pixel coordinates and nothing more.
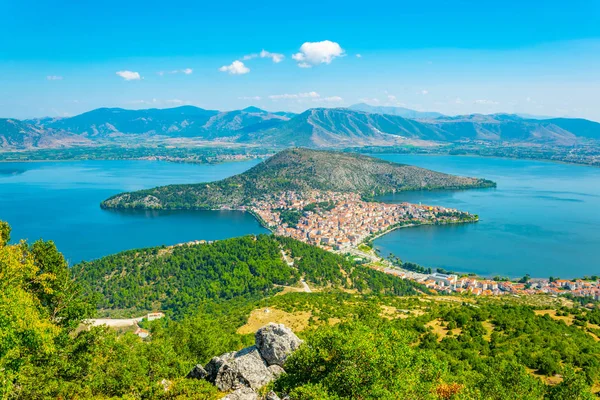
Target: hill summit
(298, 170)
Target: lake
(60, 201)
(542, 219)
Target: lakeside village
(341, 222)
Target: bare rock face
(242, 368)
(198, 372)
(276, 370)
(276, 342)
(244, 393)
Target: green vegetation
(320, 206)
(290, 217)
(195, 154)
(298, 170)
(182, 278)
(369, 345)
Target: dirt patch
(489, 328)
(440, 330)
(258, 318)
(390, 312)
(548, 380)
(552, 313)
(289, 289)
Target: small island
(323, 198)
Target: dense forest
(297, 170)
(180, 278)
(370, 345)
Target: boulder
(198, 372)
(244, 393)
(276, 370)
(276, 342)
(272, 396)
(243, 368)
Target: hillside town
(339, 221)
(455, 284)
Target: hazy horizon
(523, 115)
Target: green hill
(180, 278)
(367, 345)
(298, 170)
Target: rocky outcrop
(245, 371)
(198, 372)
(243, 368)
(244, 393)
(276, 342)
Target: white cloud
(286, 96)
(54, 78)
(129, 75)
(314, 53)
(276, 57)
(332, 99)
(458, 100)
(175, 101)
(235, 68)
(374, 100)
(359, 56)
(186, 71)
(306, 96)
(249, 98)
(423, 92)
(486, 102)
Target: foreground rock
(243, 368)
(244, 393)
(249, 369)
(276, 342)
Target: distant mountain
(234, 123)
(21, 135)
(397, 111)
(18, 134)
(511, 128)
(297, 170)
(318, 127)
(325, 127)
(107, 122)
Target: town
(453, 283)
(344, 222)
(339, 221)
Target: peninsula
(323, 198)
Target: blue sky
(66, 57)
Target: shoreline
(372, 154)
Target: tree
(4, 233)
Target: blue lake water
(60, 201)
(542, 219)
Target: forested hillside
(180, 278)
(297, 170)
(356, 346)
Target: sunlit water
(542, 219)
(60, 201)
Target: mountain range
(357, 125)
